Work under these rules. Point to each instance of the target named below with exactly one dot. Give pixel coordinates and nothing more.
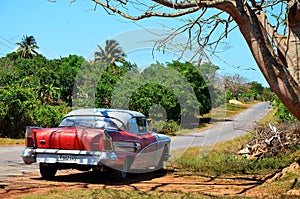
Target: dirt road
(31, 183)
(257, 186)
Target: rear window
(90, 122)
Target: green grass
(8, 141)
(119, 194)
(222, 160)
(270, 118)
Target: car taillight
(29, 139)
(107, 142)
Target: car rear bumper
(80, 157)
(28, 156)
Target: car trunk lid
(69, 138)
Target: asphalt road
(222, 130)
(11, 163)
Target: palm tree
(112, 53)
(27, 47)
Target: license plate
(68, 158)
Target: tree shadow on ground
(209, 120)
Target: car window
(132, 126)
(138, 125)
(142, 125)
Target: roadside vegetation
(276, 169)
(223, 160)
(226, 110)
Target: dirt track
(30, 183)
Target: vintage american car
(117, 141)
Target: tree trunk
(282, 80)
(293, 41)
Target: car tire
(47, 171)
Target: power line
(6, 45)
(7, 41)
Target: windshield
(91, 122)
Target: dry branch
(271, 141)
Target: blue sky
(61, 29)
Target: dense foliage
(37, 91)
(177, 87)
(282, 112)
(34, 91)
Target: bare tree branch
(146, 14)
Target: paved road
(11, 163)
(225, 130)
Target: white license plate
(67, 158)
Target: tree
(234, 84)
(16, 103)
(112, 53)
(270, 28)
(209, 72)
(27, 47)
(197, 82)
(214, 82)
(30, 91)
(67, 69)
(257, 90)
(176, 89)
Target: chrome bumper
(80, 157)
(28, 156)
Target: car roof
(122, 115)
(105, 112)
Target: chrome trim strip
(69, 152)
(124, 144)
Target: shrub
(16, 103)
(282, 112)
(170, 127)
(49, 116)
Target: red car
(100, 139)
